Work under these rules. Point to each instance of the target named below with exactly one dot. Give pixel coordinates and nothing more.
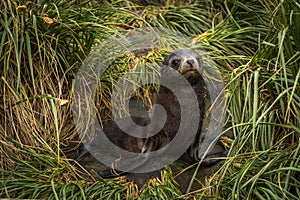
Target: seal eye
(175, 63)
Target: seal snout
(190, 62)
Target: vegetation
(255, 45)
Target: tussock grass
(255, 45)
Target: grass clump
(42, 45)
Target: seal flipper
(80, 152)
(112, 173)
(211, 159)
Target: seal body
(186, 63)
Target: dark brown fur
(169, 101)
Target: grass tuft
(255, 46)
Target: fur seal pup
(184, 62)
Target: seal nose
(190, 62)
